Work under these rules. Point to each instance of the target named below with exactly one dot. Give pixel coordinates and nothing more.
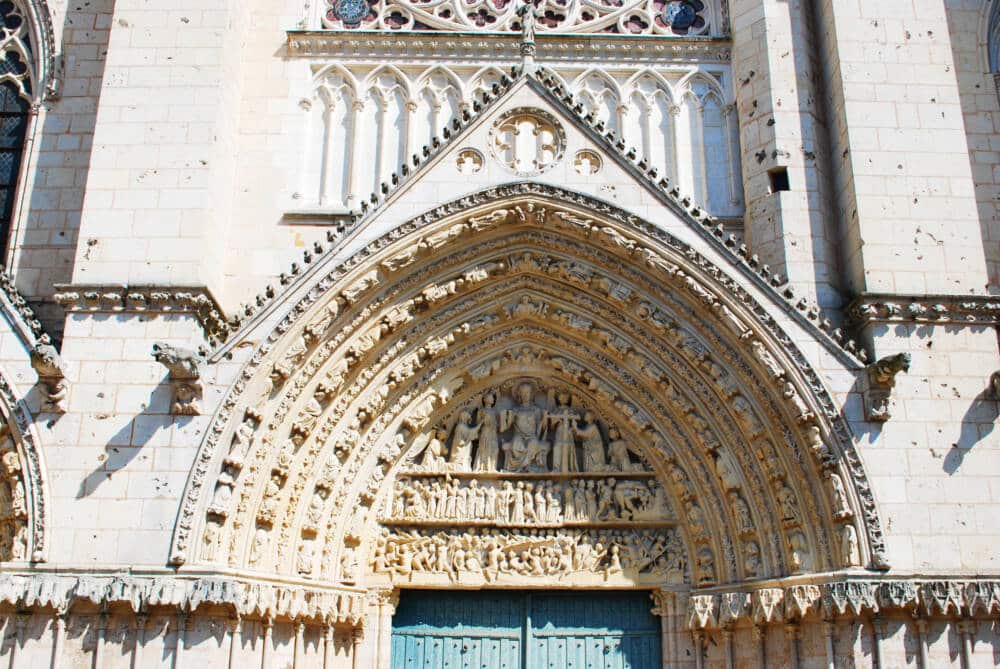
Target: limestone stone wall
(968, 27)
(58, 158)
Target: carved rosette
(399, 354)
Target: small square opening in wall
(779, 179)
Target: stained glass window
(13, 123)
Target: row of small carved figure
(527, 503)
(403, 553)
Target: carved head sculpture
(563, 399)
(489, 399)
(525, 394)
(464, 417)
(588, 416)
(613, 433)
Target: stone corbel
(879, 380)
(51, 372)
(184, 374)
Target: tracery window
(14, 111)
(993, 37)
(16, 94)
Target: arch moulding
(389, 430)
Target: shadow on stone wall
(50, 226)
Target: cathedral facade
(487, 333)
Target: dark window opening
(13, 123)
(779, 179)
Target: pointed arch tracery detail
(529, 282)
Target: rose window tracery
(622, 17)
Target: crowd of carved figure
(13, 504)
(527, 438)
(402, 553)
(528, 502)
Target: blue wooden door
(514, 630)
(458, 630)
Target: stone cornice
(782, 601)
(494, 48)
(242, 595)
(120, 298)
(929, 309)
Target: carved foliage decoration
(23, 514)
(443, 316)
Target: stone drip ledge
(244, 596)
(775, 603)
(120, 298)
(491, 48)
(965, 310)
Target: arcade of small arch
(705, 452)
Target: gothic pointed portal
(526, 388)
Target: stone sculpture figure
(563, 422)
(434, 459)
(618, 452)
(849, 550)
(488, 447)
(461, 446)
(593, 444)
(526, 448)
(841, 505)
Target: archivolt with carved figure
(528, 386)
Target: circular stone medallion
(527, 141)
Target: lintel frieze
(494, 48)
(197, 301)
(242, 596)
(779, 602)
(972, 310)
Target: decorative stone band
(931, 309)
(243, 596)
(778, 603)
(491, 49)
(194, 300)
(28, 327)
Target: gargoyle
(48, 365)
(184, 374)
(881, 379)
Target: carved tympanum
(528, 483)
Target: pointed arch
(528, 281)
(481, 81)
(31, 39)
(23, 484)
(423, 81)
(339, 70)
(687, 83)
(631, 85)
(402, 81)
